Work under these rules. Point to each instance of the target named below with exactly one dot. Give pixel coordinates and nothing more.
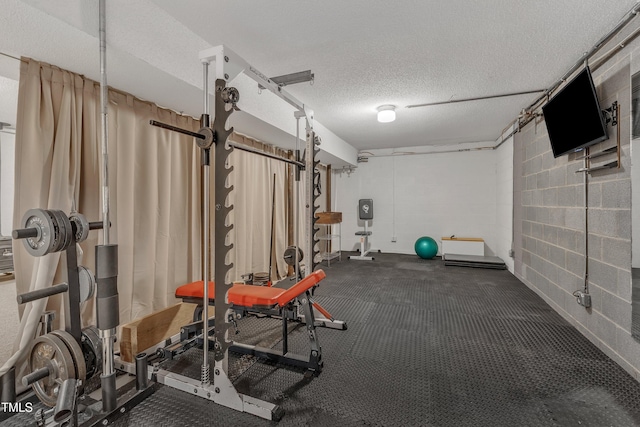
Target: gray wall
(549, 224)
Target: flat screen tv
(573, 116)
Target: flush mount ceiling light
(386, 113)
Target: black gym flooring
(426, 345)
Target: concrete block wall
(549, 225)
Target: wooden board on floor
(152, 329)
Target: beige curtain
(154, 182)
(252, 199)
(155, 185)
(48, 135)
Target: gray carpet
(427, 345)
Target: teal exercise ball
(426, 247)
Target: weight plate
(92, 345)
(69, 239)
(87, 283)
(76, 354)
(64, 227)
(82, 226)
(49, 351)
(290, 254)
(58, 237)
(261, 278)
(41, 221)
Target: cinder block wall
(549, 235)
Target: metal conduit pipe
(601, 60)
(547, 92)
(410, 153)
(594, 66)
(586, 222)
(632, 14)
(476, 98)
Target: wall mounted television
(573, 116)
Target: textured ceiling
(364, 53)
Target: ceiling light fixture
(386, 113)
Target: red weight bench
(270, 302)
(263, 297)
(250, 295)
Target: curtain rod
(477, 98)
(11, 56)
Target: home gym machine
(212, 138)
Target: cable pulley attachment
(230, 95)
